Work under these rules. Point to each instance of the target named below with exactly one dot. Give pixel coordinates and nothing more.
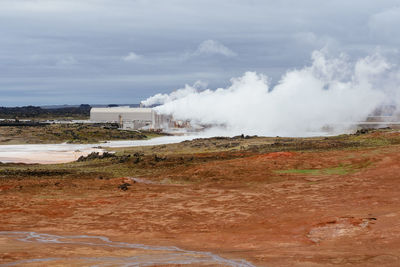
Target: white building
(130, 118)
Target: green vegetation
(327, 171)
(70, 133)
(339, 170)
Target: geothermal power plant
(140, 118)
(132, 118)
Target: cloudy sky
(123, 51)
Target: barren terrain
(69, 133)
(245, 200)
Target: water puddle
(140, 255)
(62, 153)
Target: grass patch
(340, 170)
(303, 171)
(70, 133)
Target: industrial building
(131, 118)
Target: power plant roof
(122, 110)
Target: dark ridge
(43, 113)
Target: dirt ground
(74, 133)
(333, 207)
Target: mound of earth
(287, 208)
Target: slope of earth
(70, 133)
(294, 202)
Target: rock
(124, 186)
(158, 159)
(124, 158)
(96, 155)
(362, 131)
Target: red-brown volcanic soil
(244, 208)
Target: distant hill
(77, 112)
(54, 112)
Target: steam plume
(331, 91)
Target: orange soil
(239, 208)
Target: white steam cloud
(332, 91)
(178, 94)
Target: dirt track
(271, 209)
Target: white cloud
(310, 38)
(67, 61)
(211, 47)
(132, 57)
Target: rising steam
(331, 92)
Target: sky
(123, 51)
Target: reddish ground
(347, 214)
